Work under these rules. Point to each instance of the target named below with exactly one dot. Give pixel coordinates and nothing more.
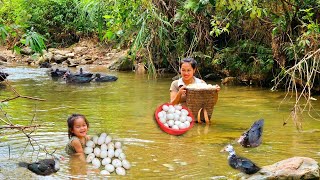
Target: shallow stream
(125, 109)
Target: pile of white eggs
(174, 117)
(102, 152)
(201, 86)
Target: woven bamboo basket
(201, 99)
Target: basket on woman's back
(200, 99)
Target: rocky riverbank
(86, 52)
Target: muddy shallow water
(125, 109)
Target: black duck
(106, 78)
(240, 163)
(253, 136)
(45, 65)
(3, 76)
(84, 74)
(44, 167)
(76, 78)
(57, 73)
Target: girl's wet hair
(71, 120)
(191, 61)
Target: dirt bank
(85, 52)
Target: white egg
(95, 139)
(183, 111)
(164, 114)
(117, 145)
(88, 150)
(189, 118)
(170, 116)
(171, 109)
(162, 120)
(104, 154)
(187, 123)
(117, 152)
(90, 157)
(108, 139)
(110, 153)
(105, 172)
(182, 126)
(178, 107)
(116, 163)
(106, 161)
(109, 167)
(175, 127)
(90, 144)
(103, 135)
(101, 140)
(183, 118)
(176, 117)
(177, 123)
(96, 163)
(122, 156)
(110, 145)
(170, 123)
(103, 147)
(97, 151)
(160, 115)
(177, 112)
(120, 171)
(166, 125)
(165, 108)
(126, 164)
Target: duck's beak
(240, 139)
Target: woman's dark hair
(189, 60)
(71, 120)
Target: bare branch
(19, 127)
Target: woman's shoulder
(175, 82)
(174, 85)
(197, 80)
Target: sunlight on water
(125, 109)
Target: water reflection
(125, 109)
(77, 166)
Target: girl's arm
(77, 146)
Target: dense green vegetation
(255, 40)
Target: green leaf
(190, 4)
(109, 35)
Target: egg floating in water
(106, 155)
(174, 117)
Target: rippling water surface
(125, 109)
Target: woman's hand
(217, 87)
(182, 90)
(175, 96)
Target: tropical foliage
(247, 38)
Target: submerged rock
(292, 168)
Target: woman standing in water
(188, 68)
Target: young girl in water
(78, 127)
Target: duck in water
(84, 74)
(240, 163)
(106, 78)
(253, 136)
(57, 73)
(44, 167)
(77, 78)
(3, 76)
